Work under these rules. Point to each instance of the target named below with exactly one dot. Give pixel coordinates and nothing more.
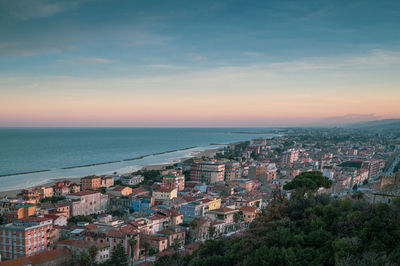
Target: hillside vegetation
(309, 230)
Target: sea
(36, 156)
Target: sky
(198, 63)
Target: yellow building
(214, 204)
(165, 193)
(120, 191)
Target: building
(107, 181)
(16, 209)
(91, 182)
(249, 213)
(26, 237)
(78, 247)
(142, 203)
(176, 182)
(246, 184)
(193, 210)
(232, 171)
(30, 195)
(63, 188)
(131, 180)
(290, 156)
(224, 214)
(374, 167)
(165, 193)
(207, 172)
(46, 192)
(120, 191)
(157, 243)
(88, 202)
(257, 171)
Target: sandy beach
(206, 153)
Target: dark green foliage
(316, 230)
(80, 218)
(118, 257)
(308, 182)
(53, 199)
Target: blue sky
(45, 45)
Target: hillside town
(147, 214)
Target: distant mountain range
(384, 124)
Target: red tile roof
(84, 193)
(248, 209)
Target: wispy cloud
(255, 54)
(96, 60)
(160, 66)
(197, 57)
(29, 9)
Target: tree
(211, 231)
(132, 244)
(118, 257)
(308, 182)
(93, 253)
(146, 246)
(176, 244)
(84, 259)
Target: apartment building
(87, 202)
(207, 172)
(175, 182)
(26, 237)
(91, 182)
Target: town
(138, 218)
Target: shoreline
(13, 193)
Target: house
(63, 188)
(78, 247)
(131, 180)
(173, 236)
(107, 181)
(157, 243)
(224, 214)
(58, 220)
(163, 193)
(249, 213)
(119, 191)
(142, 203)
(92, 182)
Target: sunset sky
(197, 63)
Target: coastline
(208, 152)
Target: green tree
(308, 182)
(132, 244)
(93, 250)
(84, 259)
(118, 257)
(211, 231)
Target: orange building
(91, 182)
(26, 237)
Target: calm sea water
(34, 149)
